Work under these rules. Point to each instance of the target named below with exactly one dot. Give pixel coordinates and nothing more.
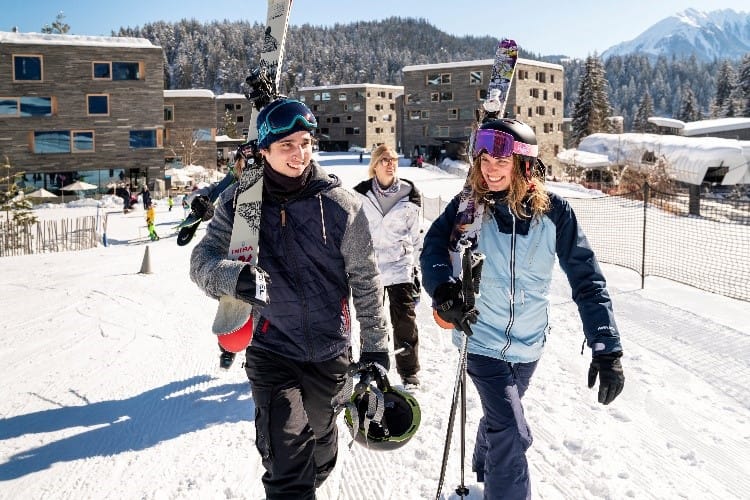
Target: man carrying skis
(315, 253)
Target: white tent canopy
(688, 159)
(79, 186)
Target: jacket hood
(415, 195)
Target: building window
(425, 114)
(228, 107)
(533, 92)
(452, 113)
(204, 135)
(552, 78)
(541, 77)
(101, 70)
(446, 95)
(316, 96)
(238, 107)
(351, 131)
(481, 94)
(415, 114)
(52, 141)
(325, 96)
(434, 96)
(443, 131)
(26, 106)
(126, 70)
(342, 96)
(83, 141)
(356, 107)
(475, 78)
(169, 113)
(240, 118)
(142, 139)
(27, 68)
(558, 96)
(540, 110)
(438, 78)
(97, 104)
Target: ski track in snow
(111, 390)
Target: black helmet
(387, 417)
(506, 136)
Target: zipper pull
(283, 216)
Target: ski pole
(452, 414)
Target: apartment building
(355, 115)
(440, 106)
(81, 108)
(190, 127)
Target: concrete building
(357, 115)
(190, 132)
(81, 108)
(441, 101)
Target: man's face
(290, 155)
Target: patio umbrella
(78, 186)
(41, 193)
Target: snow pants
(402, 304)
(295, 425)
(503, 436)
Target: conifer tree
(725, 83)
(645, 110)
(743, 84)
(592, 110)
(689, 108)
(58, 27)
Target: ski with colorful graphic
(506, 57)
(469, 216)
(189, 224)
(233, 323)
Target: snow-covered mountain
(720, 34)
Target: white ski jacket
(396, 235)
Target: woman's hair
(377, 154)
(526, 199)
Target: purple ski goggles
(500, 144)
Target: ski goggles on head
(245, 150)
(285, 117)
(500, 144)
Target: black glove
(417, 287)
(202, 207)
(611, 377)
(449, 304)
(252, 285)
(379, 357)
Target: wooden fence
(50, 235)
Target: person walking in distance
(392, 206)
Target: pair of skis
(463, 240)
(233, 323)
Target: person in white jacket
(392, 206)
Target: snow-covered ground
(111, 386)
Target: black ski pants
(401, 303)
(295, 425)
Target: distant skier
(150, 220)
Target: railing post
(643, 236)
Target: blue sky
(574, 27)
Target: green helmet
(387, 417)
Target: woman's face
(496, 171)
(290, 155)
(385, 169)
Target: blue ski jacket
(317, 250)
(520, 254)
